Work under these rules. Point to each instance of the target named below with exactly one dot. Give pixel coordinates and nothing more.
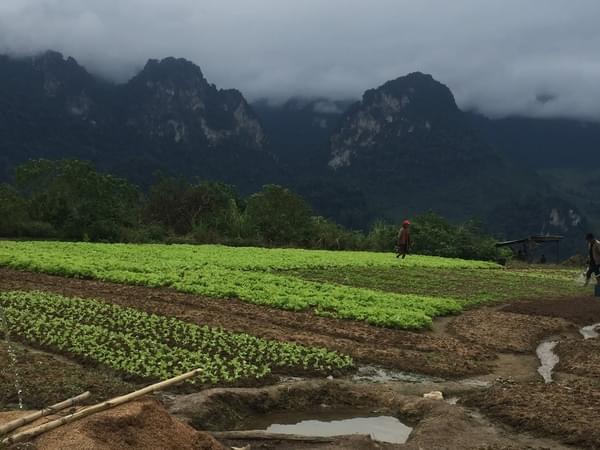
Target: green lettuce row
(174, 332)
(279, 291)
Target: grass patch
(470, 286)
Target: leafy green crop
(250, 274)
(152, 346)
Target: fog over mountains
(499, 57)
(404, 148)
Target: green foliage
(431, 234)
(254, 275)
(279, 216)
(68, 199)
(13, 212)
(152, 346)
(185, 208)
(382, 237)
(328, 235)
(77, 201)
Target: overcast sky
(528, 57)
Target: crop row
(259, 287)
(244, 258)
(152, 346)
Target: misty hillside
(167, 118)
(403, 149)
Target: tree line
(70, 200)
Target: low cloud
(501, 57)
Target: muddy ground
(436, 424)
(61, 379)
(567, 409)
(492, 344)
(579, 310)
(505, 331)
(580, 357)
(570, 411)
(404, 350)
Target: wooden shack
(527, 249)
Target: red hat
(406, 222)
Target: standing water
(321, 423)
(12, 356)
(591, 331)
(548, 358)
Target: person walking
(593, 258)
(404, 240)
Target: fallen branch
(265, 436)
(35, 431)
(18, 423)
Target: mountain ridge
(404, 148)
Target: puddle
(452, 400)
(548, 359)
(591, 331)
(375, 374)
(326, 423)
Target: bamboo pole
(18, 423)
(35, 431)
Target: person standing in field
(593, 258)
(404, 240)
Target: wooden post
(35, 431)
(18, 423)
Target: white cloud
(496, 55)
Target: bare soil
(499, 342)
(580, 357)
(140, 425)
(46, 379)
(418, 352)
(570, 411)
(506, 331)
(436, 424)
(568, 408)
(579, 310)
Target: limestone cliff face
(171, 99)
(405, 117)
(168, 117)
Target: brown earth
(505, 331)
(580, 357)
(579, 310)
(138, 425)
(569, 411)
(458, 346)
(436, 424)
(409, 351)
(46, 379)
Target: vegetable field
(151, 346)
(395, 293)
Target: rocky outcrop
(168, 117)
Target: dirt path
(425, 353)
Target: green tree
(13, 212)
(278, 216)
(77, 201)
(205, 208)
